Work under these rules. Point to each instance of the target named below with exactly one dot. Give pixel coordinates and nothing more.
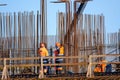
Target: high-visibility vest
(103, 65)
(59, 68)
(97, 69)
(61, 50)
(43, 52)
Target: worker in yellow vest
(61, 50)
(43, 52)
(60, 60)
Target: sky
(109, 8)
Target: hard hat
(57, 44)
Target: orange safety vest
(103, 65)
(97, 69)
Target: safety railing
(16, 64)
(8, 65)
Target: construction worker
(59, 52)
(56, 52)
(57, 46)
(98, 68)
(103, 65)
(43, 53)
(108, 68)
(60, 68)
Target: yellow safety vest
(43, 52)
(62, 50)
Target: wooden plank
(62, 64)
(105, 62)
(105, 55)
(22, 65)
(66, 64)
(32, 58)
(27, 58)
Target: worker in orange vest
(98, 68)
(103, 65)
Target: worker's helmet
(57, 44)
